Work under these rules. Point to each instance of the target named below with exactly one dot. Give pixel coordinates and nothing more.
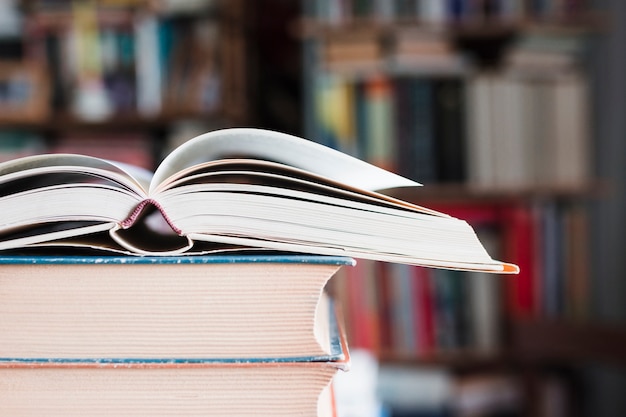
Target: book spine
(148, 65)
(450, 130)
(402, 318)
(335, 112)
(364, 306)
(378, 121)
(426, 325)
(577, 267)
(405, 127)
(425, 161)
(521, 240)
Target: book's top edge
(172, 260)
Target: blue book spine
(425, 170)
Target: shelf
(485, 28)
(132, 121)
(462, 193)
(544, 341)
(553, 341)
(458, 360)
(63, 18)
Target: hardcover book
(198, 386)
(157, 308)
(226, 190)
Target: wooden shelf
(458, 360)
(464, 194)
(554, 341)
(132, 121)
(485, 28)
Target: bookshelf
(137, 68)
(490, 108)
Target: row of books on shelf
(550, 240)
(105, 61)
(410, 49)
(412, 312)
(493, 130)
(403, 311)
(446, 11)
(528, 131)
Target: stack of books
(167, 336)
(198, 290)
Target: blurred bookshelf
(109, 77)
(488, 104)
(495, 121)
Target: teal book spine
(206, 259)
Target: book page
(278, 147)
(277, 175)
(58, 196)
(36, 171)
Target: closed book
(158, 308)
(204, 386)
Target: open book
(228, 190)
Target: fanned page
(278, 147)
(32, 169)
(51, 197)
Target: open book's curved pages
(230, 190)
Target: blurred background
(511, 112)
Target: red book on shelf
(425, 311)
(363, 306)
(520, 245)
(474, 214)
(385, 303)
